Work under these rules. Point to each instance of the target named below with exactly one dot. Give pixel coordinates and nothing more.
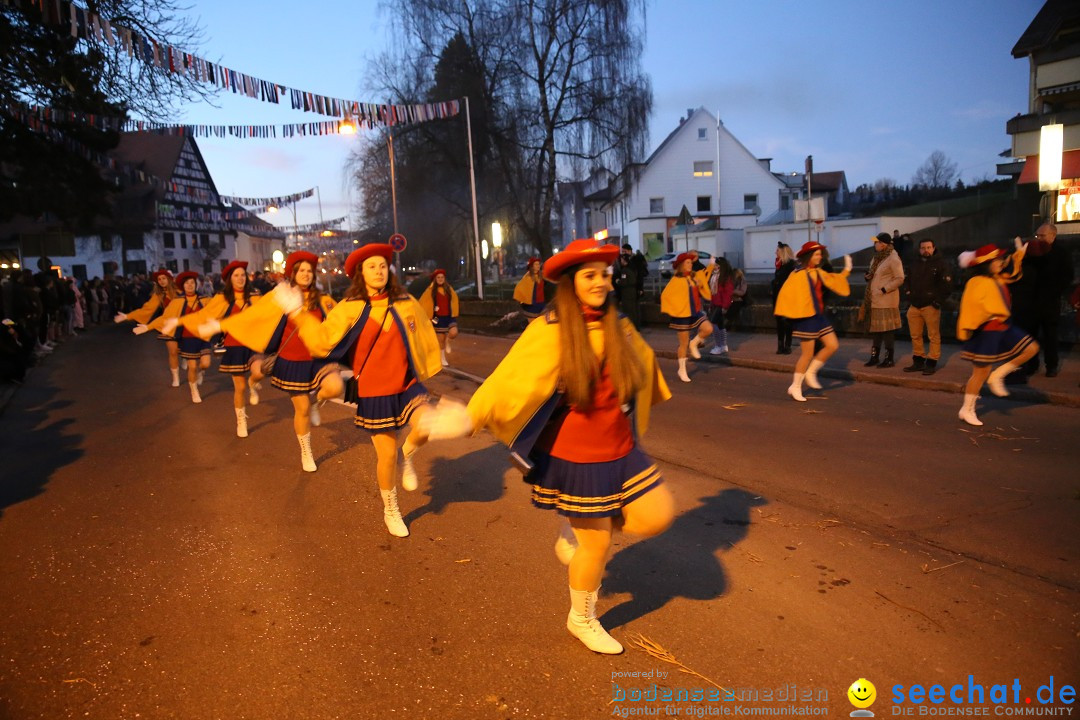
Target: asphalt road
(156, 566)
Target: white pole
(475, 217)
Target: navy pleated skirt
(236, 360)
(591, 489)
(443, 323)
(687, 323)
(300, 376)
(386, 413)
(991, 346)
(192, 348)
(811, 328)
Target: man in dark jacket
(1048, 274)
(927, 287)
(629, 283)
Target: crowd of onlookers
(41, 310)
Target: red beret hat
(298, 257)
(228, 271)
(185, 276)
(576, 253)
(358, 256)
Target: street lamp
(279, 259)
(497, 241)
(1051, 145)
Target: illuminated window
(703, 169)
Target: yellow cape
(427, 300)
(796, 299)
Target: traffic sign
(397, 241)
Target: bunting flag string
(320, 226)
(86, 25)
(265, 202)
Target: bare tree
(937, 172)
(559, 95)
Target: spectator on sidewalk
(629, 283)
(740, 298)
(529, 291)
(927, 287)
(881, 300)
(785, 264)
(1047, 274)
(721, 285)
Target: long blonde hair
(578, 365)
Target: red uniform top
(695, 297)
(292, 347)
(381, 361)
(191, 304)
(230, 341)
(538, 290)
(442, 302)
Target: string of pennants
(201, 213)
(100, 122)
(317, 227)
(86, 25)
(262, 203)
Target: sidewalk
(758, 350)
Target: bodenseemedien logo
(862, 695)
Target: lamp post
(497, 241)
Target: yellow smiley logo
(862, 693)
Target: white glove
(209, 329)
(447, 420)
(169, 326)
(1021, 246)
(119, 318)
(288, 298)
(140, 329)
(847, 263)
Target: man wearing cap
(881, 299)
(928, 286)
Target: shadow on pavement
(476, 477)
(681, 562)
(42, 449)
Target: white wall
(839, 236)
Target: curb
(1018, 394)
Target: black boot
(917, 364)
(888, 361)
(931, 367)
(873, 358)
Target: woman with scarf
(530, 291)
(236, 296)
(984, 325)
(721, 285)
(385, 337)
(683, 301)
(801, 300)
(164, 292)
(881, 300)
(267, 330)
(193, 350)
(785, 265)
(441, 303)
(571, 399)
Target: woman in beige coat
(881, 300)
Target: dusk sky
(871, 88)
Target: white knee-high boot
(241, 422)
(307, 460)
(175, 376)
(695, 343)
(996, 381)
(195, 397)
(811, 374)
(967, 411)
(566, 544)
(795, 389)
(582, 623)
(682, 370)
(392, 513)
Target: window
(168, 240)
(749, 202)
(183, 242)
(785, 201)
(704, 203)
(656, 206)
(207, 266)
(79, 271)
(187, 264)
(703, 169)
(702, 134)
(221, 241)
(106, 243)
(223, 263)
(172, 266)
(204, 241)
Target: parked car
(662, 265)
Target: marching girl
(984, 328)
(164, 292)
(571, 400)
(529, 291)
(236, 296)
(441, 303)
(385, 337)
(801, 301)
(683, 301)
(193, 350)
(266, 329)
